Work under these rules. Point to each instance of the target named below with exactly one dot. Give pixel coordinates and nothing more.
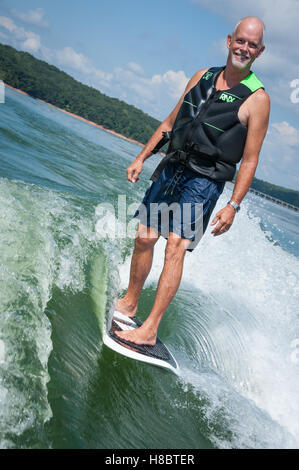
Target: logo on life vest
(226, 97)
(207, 75)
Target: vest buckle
(182, 157)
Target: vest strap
(252, 82)
(178, 156)
(163, 141)
(181, 157)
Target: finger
(131, 175)
(134, 176)
(224, 228)
(216, 218)
(218, 228)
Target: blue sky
(144, 52)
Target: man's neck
(231, 76)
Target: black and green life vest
(207, 135)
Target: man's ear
(229, 40)
(261, 51)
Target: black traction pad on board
(158, 351)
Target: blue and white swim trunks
(180, 201)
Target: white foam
(249, 288)
(2, 351)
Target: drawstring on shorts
(174, 181)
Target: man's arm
(259, 110)
(135, 168)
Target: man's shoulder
(261, 95)
(259, 98)
(258, 107)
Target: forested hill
(284, 194)
(46, 82)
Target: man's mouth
(241, 57)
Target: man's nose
(244, 47)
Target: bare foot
(142, 335)
(127, 309)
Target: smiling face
(245, 44)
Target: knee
(145, 239)
(176, 249)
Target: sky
(145, 51)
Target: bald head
(252, 24)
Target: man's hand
(134, 170)
(225, 218)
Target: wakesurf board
(158, 354)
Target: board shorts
(180, 201)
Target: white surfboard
(158, 355)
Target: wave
(46, 240)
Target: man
(221, 118)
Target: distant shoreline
(78, 117)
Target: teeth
(241, 57)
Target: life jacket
(207, 135)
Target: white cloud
(288, 134)
(30, 41)
(135, 67)
(34, 17)
(70, 58)
(7, 23)
(172, 82)
(175, 82)
(103, 78)
(156, 95)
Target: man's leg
(141, 264)
(168, 284)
